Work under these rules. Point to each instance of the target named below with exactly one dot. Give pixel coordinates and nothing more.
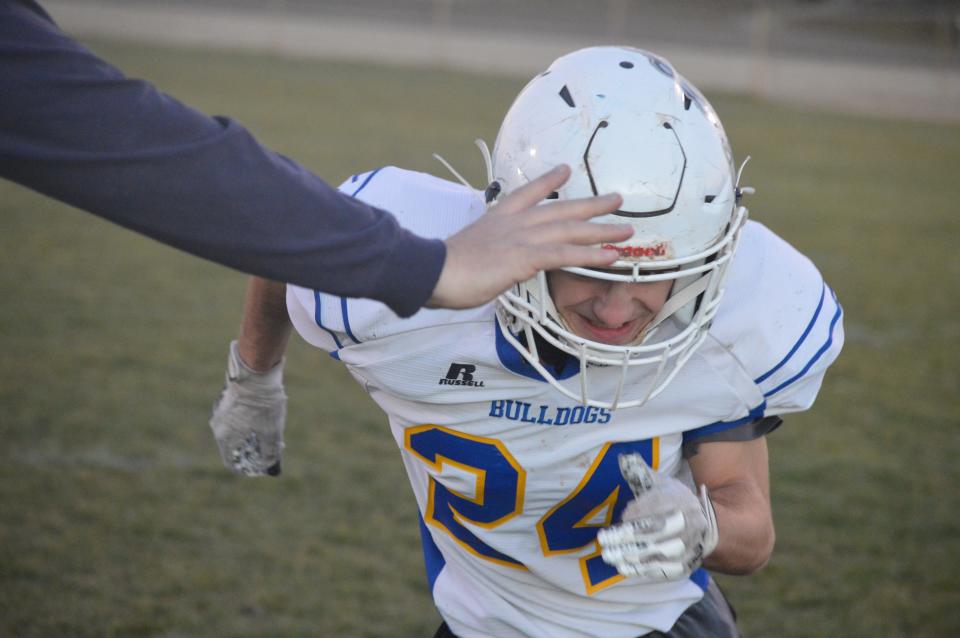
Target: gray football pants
(711, 617)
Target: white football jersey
(512, 478)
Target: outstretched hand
(516, 238)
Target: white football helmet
(625, 122)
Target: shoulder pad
(333, 323)
(424, 204)
(779, 319)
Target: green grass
(116, 518)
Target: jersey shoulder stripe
(318, 317)
(779, 319)
(806, 332)
(363, 178)
(805, 344)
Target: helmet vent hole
(565, 94)
(686, 102)
(626, 65)
(709, 199)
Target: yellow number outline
(607, 503)
(481, 474)
(478, 499)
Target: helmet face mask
(625, 122)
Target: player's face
(611, 312)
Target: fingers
(653, 571)
(527, 197)
(571, 243)
(637, 473)
(643, 552)
(641, 556)
(577, 232)
(518, 237)
(649, 548)
(246, 457)
(573, 209)
(644, 530)
(573, 256)
(567, 223)
(535, 191)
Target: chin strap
(487, 160)
(675, 303)
(739, 191)
(440, 159)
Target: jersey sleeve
(784, 323)
(426, 205)
(77, 129)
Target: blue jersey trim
(513, 361)
(701, 578)
(318, 317)
(433, 560)
(365, 182)
(346, 319)
(818, 354)
(755, 415)
(796, 346)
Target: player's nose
(616, 305)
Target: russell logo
(461, 374)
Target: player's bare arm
(248, 417)
(518, 237)
(666, 532)
(736, 476)
(265, 328)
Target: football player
(582, 450)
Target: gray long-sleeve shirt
(75, 128)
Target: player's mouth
(613, 335)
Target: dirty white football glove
(248, 418)
(665, 532)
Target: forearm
(265, 328)
(736, 475)
(248, 416)
(75, 128)
(746, 529)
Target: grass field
(117, 519)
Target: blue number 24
(498, 495)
